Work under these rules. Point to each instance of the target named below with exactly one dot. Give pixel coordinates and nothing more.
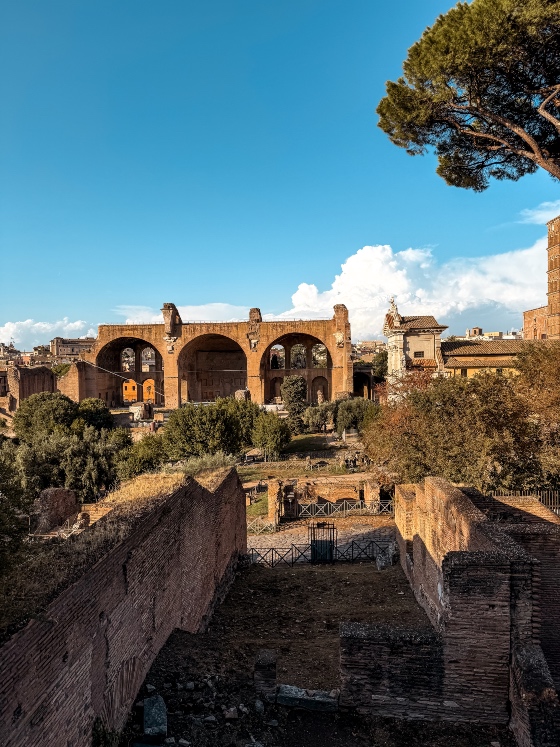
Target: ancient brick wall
(23, 382)
(488, 578)
(88, 652)
(73, 383)
(393, 672)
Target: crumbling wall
(488, 578)
(88, 652)
(73, 383)
(24, 381)
(393, 671)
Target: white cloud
(542, 213)
(504, 284)
(28, 333)
(490, 291)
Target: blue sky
(226, 152)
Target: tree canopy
(482, 87)
(271, 434)
(477, 431)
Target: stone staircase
(96, 511)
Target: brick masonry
(486, 573)
(88, 652)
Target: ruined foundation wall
(481, 591)
(88, 652)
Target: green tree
(351, 413)
(245, 412)
(538, 384)
(194, 430)
(94, 412)
(43, 414)
(317, 417)
(145, 455)
(12, 505)
(294, 395)
(85, 463)
(271, 434)
(379, 365)
(60, 369)
(482, 87)
(475, 431)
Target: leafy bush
(42, 414)
(271, 434)
(194, 430)
(352, 413)
(317, 417)
(145, 455)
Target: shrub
(145, 455)
(194, 430)
(43, 414)
(352, 413)
(271, 434)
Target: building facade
(543, 323)
(178, 362)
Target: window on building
(418, 353)
(499, 371)
(543, 337)
(463, 372)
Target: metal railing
(549, 498)
(352, 552)
(345, 508)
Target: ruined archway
(128, 361)
(304, 355)
(211, 366)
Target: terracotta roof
(468, 362)
(482, 347)
(421, 363)
(420, 322)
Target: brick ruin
(283, 496)
(86, 654)
(23, 381)
(177, 362)
(486, 573)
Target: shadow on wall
(97, 639)
(479, 581)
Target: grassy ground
(308, 442)
(259, 507)
(283, 471)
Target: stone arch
(275, 388)
(319, 390)
(277, 357)
(111, 374)
(298, 341)
(211, 366)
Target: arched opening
(129, 391)
(362, 385)
(126, 361)
(148, 360)
(276, 390)
(277, 357)
(319, 390)
(297, 355)
(211, 366)
(149, 391)
(319, 356)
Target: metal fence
(549, 498)
(345, 508)
(352, 552)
